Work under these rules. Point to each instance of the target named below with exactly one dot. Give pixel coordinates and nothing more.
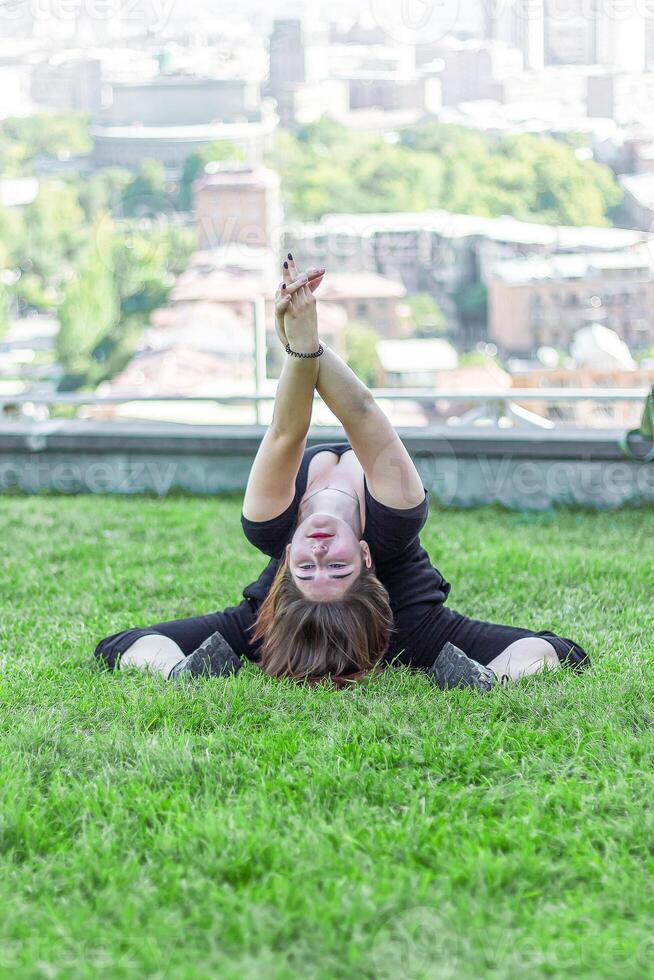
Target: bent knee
(110, 649)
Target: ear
(365, 551)
(287, 554)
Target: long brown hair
(307, 640)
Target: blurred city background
(476, 176)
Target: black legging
(480, 640)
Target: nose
(319, 548)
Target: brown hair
(308, 640)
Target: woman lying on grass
(349, 587)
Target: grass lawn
(251, 828)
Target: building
(415, 363)
(182, 100)
(619, 39)
(639, 199)
(474, 70)
(68, 83)
(393, 92)
(600, 32)
(287, 55)
(626, 97)
(520, 25)
(287, 71)
(544, 301)
(129, 146)
(239, 205)
(369, 298)
(169, 117)
(439, 252)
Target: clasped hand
(296, 319)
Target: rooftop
(360, 285)
(580, 266)
(640, 187)
(451, 225)
(416, 356)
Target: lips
(319, 535)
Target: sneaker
(453, 668)
(214, 658)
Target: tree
(5, 306)
(25, 138)
(326, 168)
(55, 234)
(360, 343)
(196, 163)
(89, 311)
(103, 191)
(146, 194)
(427, 318)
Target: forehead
(324, 588)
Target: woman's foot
(213, 658)
(454, 668)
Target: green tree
(5, 307)
(472, 305)
(103, 191)
(195, 164)
(25, 138)
(55, 235)
(89, 311)
(146, 194)
(426, 317)
(360, 346)
(326, 168)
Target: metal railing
(488, 407)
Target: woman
(341, 526)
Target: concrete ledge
(523, 469)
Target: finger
(286, 273)
(293, 287)
(315, 282)
(292, 265)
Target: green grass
(251, 828)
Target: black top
(402, 565)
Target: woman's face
(325, 557)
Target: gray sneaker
(213, 658)
(453, 668)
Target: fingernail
(290, 256)
(286, 265)
(283, 285)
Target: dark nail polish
(290, 256)
(283, 285)
(286, 265)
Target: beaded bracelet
(321, 350)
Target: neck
(334, 503)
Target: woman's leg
(529, 655)
(456, 650)
(512, 652)
(161, 647)
(154, 652)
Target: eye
(338, 564)
(306, 567)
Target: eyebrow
(310, 578)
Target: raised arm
(390, 472)
(271, 484)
